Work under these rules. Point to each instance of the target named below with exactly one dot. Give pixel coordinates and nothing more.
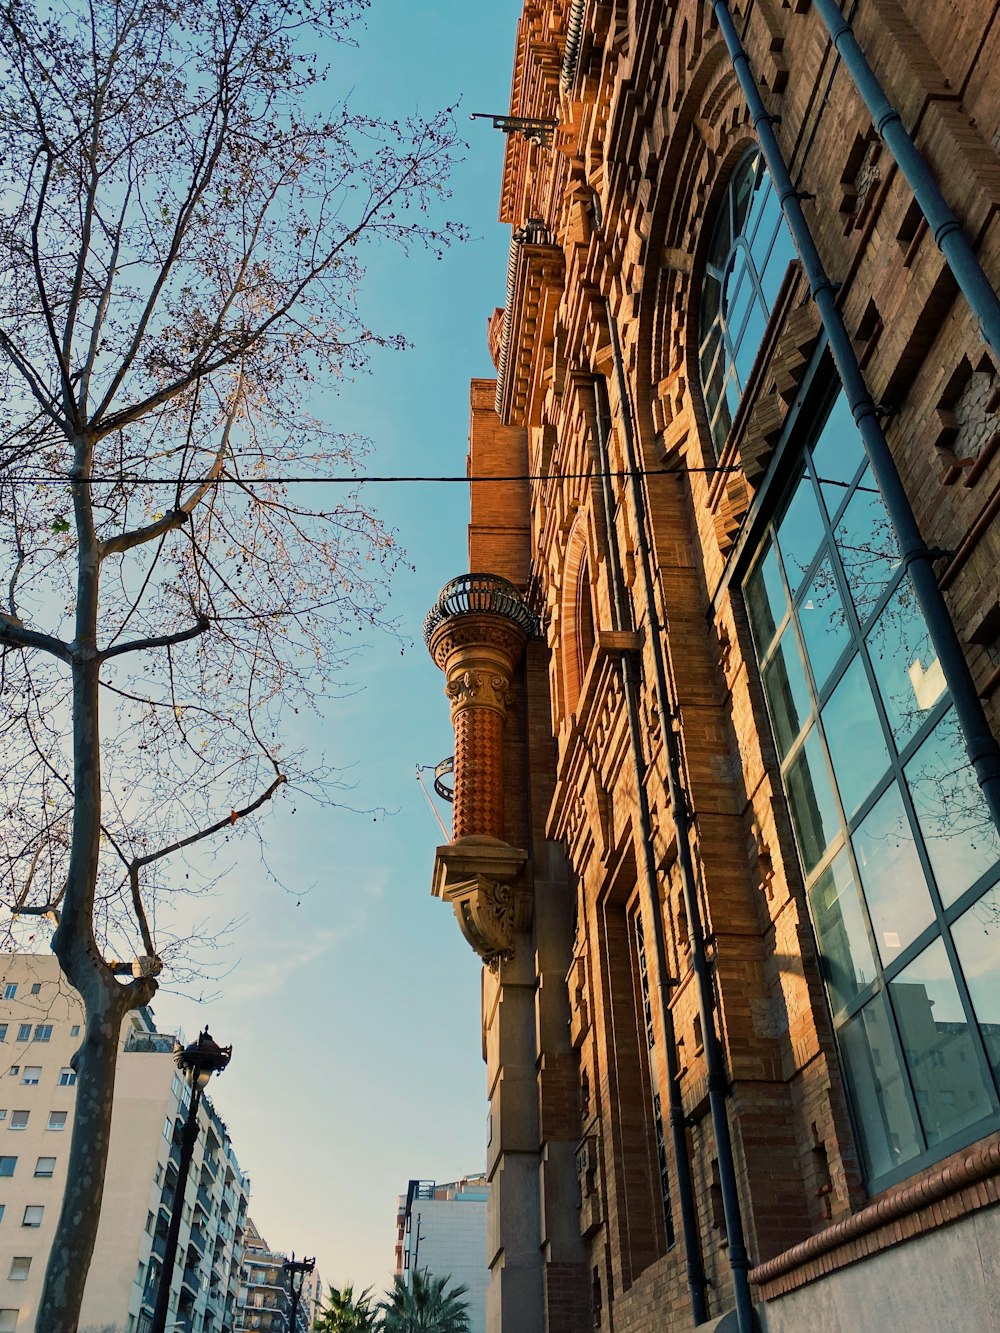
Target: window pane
(800, 533)
(948, 1079)
(909, 674)
(742, 192)
(750, 340)
(895, 889)
(782, 254)
(977, 939)
(867, 546)
(959, 833)
(737, 291)
(837, 454)
(854, 737)
(883, 1115)
(810, 795)
(824, 625)
(766, 601)
(787, 691)
(840, 929)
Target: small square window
(149, 1219)
(14, 1070)
(43, 1032)
(10, 990)
(45, 1167)
(7, 1165)
(57, 1120)
(19, 1119)
(24, 1032)
(67, 1077)
(8, 1321)
(75, 1030)
(19, 1268)
(3, 1114)
(33, 1214)
(3, 1031)
(31, 1074)
(1, 1211)
(36, 987)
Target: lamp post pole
(301, 1267)
(197, 1063)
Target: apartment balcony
(159, 1246)
(197, 1239)
(191, 1280)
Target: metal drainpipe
(718, 1082)
(981, 746)
(945, 226)
(623, 620)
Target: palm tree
(423, 1306)
(343, 1312)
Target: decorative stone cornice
(483, 879)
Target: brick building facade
(726, 677)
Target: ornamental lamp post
(197, 1063)
(292, 1267)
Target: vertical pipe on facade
(980, 744)
(623, 620)
(945, 226)
(739, 1263)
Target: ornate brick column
(476, 633)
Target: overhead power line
(464, 479)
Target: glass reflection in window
(882, 1112)
(959, 834)
(800, 532)
(787, 691)
(895, 889)
(867, 546)
(824, 625)
(748, 257)
(766, 601)
(810, 795)
(854, 737)
(837, 455)
(947, 1075)
(841, 932)
(907, 669)
(977, 939)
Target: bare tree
(180, 250)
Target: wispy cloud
(266, 968)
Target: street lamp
(301, 1267)
(197, 1063)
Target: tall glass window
(900, 856)
(748, 256)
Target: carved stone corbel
(483, 879)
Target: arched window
(748, 257)
(584, 620)
(578, 616)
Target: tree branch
(14, 635)
(158, 641)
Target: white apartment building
(265, 1303)
(441, 1230)
(41, 1021)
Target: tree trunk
(76, 1232)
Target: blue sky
(353, 1005)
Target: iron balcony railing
(479, 594)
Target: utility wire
(464, 479)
